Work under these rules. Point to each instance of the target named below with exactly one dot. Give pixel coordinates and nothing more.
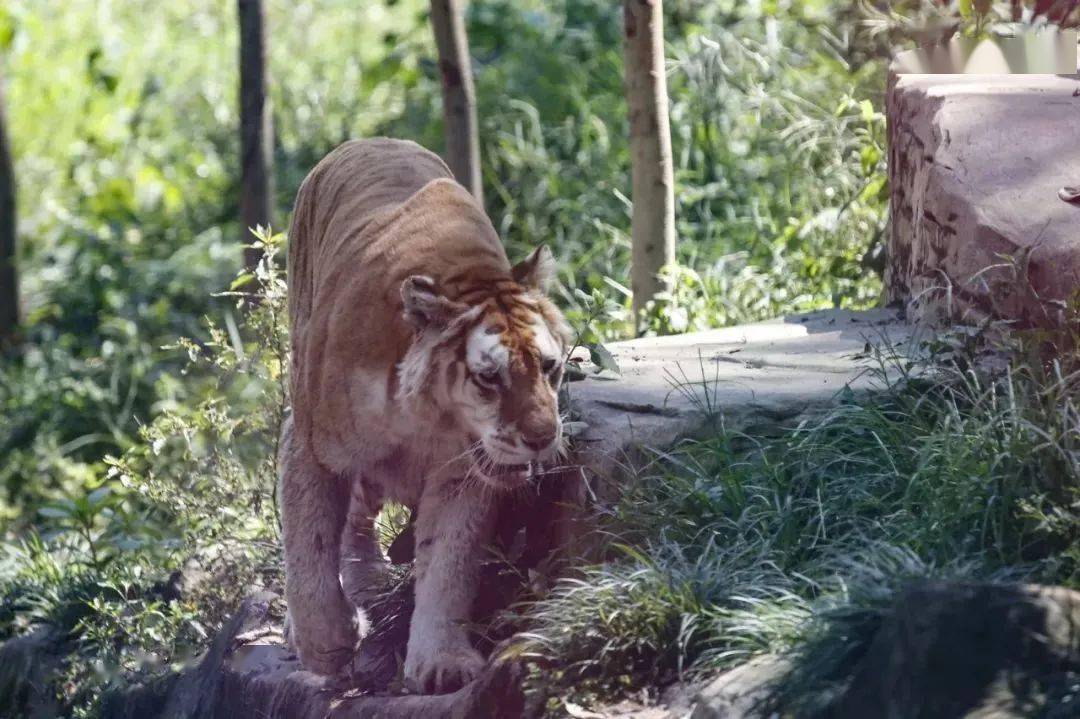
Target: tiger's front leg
(453, 527)
(324, 626)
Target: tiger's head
(488, 362)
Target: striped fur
(424, 371)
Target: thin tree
(256, 127)
(9, 278)
(653, 186)
(459, 97)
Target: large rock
(977, 169)
(744, 691)
(26, 665)
(751, 376)
(942, 651)
(979, 650)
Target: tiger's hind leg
(363, 566)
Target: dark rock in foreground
(979, 650)
(942, 651)
(261, 678)
(25, 666)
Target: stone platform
(980, 168)
(767, 373)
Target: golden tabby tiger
(424, 371)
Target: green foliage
(125, 147)
(128, 454)
(923, 22)
(137, 573)
(212, 464)
(127, 168)
(779, 172)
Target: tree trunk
(459, 98)
(9, 280)
(653, 187)
(256, 128)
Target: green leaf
(868, 159)
(241, 280)
(54, 512)
(602, 358)
(876, 188)
(98, 495)
(867, 109)
(618, 287)
(573, 373)
(7, 29)
(965, 9)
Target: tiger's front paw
(440, 666)
(327, 641)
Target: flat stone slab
(767, 372)
(978, 170)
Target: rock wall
(978, 169)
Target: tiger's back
(371, 214)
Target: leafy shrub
(125, 148)
(127, 171)
(127, 454)
(138, 573)
(930, 21)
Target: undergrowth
(136, 488)
(134, 578)
(125, 152)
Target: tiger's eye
(549, 365)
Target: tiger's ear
(537, 270)
(425, 307)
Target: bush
(125, 147)
(138, 573)
(123, 166)
(129, 455)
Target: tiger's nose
(540, 441)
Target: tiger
(424, 371)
